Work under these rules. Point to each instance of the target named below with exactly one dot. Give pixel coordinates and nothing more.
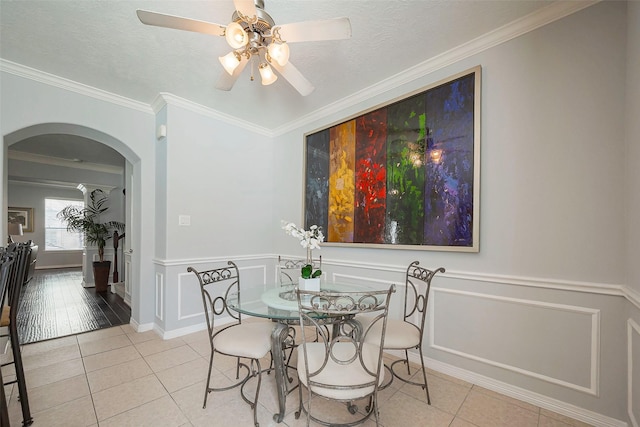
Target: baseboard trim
(554, 405)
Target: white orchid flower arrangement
(310, 240)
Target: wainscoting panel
(633, 360)
(160, 296)
(519, 335)
(189, 297)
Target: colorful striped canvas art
(405, 174)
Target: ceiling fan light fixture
(279, 52)
(267, 74)
(236, 36)
(230, 62)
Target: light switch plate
(184, 219)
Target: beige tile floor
(118, 377)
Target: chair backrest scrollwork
(347, 344)
(289, 269)
(217, 286)
(416, 294)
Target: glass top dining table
(279, 304)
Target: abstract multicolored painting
(404, 175)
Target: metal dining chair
(6, 261)
(408, 332)
(18, 277)
(289, 269)
(243, 340)
(345, 365)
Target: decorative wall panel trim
(535, 282)
(594, 356)
(160, 296)
(350, 278)
(633, 296)
(185, 262)
(633, 332)
(611, 289)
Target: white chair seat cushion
(251, 340)
(398, 336)
(352, 374)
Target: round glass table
(279, 304)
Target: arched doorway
(55, 132)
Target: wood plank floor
(55, 304)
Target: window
(56, 236)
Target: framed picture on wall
(23, 216)
(405, 174)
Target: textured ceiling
(102, 44)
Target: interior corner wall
(552, 227)
(161, 184)
(632, 207)
(632, 154)
(218, 199)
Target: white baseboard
(554, 405)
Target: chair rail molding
(611, 289)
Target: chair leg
(4, 413)
(424, 384)
(206, 389)
(297, 414)
(21, 380)
(406, 361)
(424, 376)
(255, 400)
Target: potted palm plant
(87, 221)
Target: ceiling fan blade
(246, 7)
(179, 23)
(294, 77)
(226, 81)
(310, 31)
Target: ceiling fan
(254, 37)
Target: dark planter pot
(101, 275)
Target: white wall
(531, 308)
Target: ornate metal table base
(279, 337)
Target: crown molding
(165, 98)
(555, 11)
(57, 161)
(70, 85)
(42, 183)
(541, 17)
